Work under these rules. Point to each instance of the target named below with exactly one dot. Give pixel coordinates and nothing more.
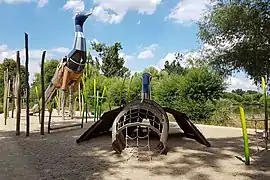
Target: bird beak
(88, 14)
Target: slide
(101, 126)
(190, 130)
(70, 69)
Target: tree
(112, 64)
(239, 31)
(10, 64)
(175, 66)
(202, 88)
(239, 91)
(50, 67)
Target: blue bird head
(80, 18)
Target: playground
(57, 156)
(87, 125)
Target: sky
(150, 31)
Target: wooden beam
(18, 95)
(42, 94)
(27, 85)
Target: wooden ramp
(100, 127)
(190, 130)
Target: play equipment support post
(95, 109)
(80, 103)
(265, 112)
(27, 85)
(6, 100)
(245, 136)
(18, 95)
(42, 94)
(13, 97)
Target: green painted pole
(245, 136)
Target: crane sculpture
(70, 69)
(144, 113)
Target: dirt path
(57, 156)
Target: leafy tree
(153, 71)
(175, 66)
(193, 93)
(240, 92)
(49, 70)
(112, 64)
(201, 89)
(240, 32)
(233, 97)
(10, 64)
(168, 92)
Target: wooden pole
(59, 102)
(27, 85)
(13, 97)
(70, 102)
(5, 97)
(266, 116)
(42, 94)
(8, 95)
(80, 103)
(63, 98)
(18, 99)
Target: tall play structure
(138, 118)
(69, 71)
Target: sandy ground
(57, 156)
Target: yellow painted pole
(245, 136)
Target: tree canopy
(10, 64)
(239, 31)
(112, 63)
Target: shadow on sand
(57, 156)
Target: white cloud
(42, 3)
(60, 50)
(15, 1)
(169, 57)
(148, 52)
(74, 5)
(34, 56)
(139, 22)
(188, 11)
(240, 82)
(126, 57)
(113, 11)
(187, 57)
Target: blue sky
(149, 30)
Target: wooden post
(5, 97)
(8, 97)
(18, 95)
(266, 116)
(80, 103)
(50, 116)
(13, 97)
(42, 94)
(71, 98)
(63, 104)
(27, 85)
(59, 102)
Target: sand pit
(57, 156)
